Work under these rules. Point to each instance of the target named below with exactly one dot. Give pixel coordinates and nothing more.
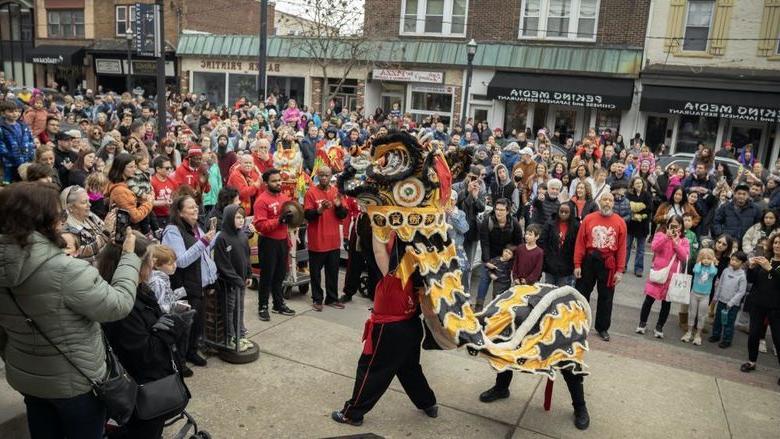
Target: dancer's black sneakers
(493, 394)
(341, 419)
(432, 411)
(581, 418)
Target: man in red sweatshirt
(600, 259)
(272, 245)
(188, 172)
(324, 212)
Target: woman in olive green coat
(68, 300)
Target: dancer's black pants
(396, 353)
(573, 382)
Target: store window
(66, 23)
(16, 37)
(559, 19)
(210, 84)
(241, 85)
(697, 24)
(516, 116)
(608, 120)
(434, 17)
(393, 93)
(692, 130)
(565, 122)
(125, 20)
(431, 101)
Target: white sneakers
(640, 329)
(687, 337)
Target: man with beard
(64, 156)
(261, 155)
(271, 224)
(600, 259)
(324, 212)
(245, 178)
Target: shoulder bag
(117, 391)
(162, 398)
(661, 275)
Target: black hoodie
(231, 251)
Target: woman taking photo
(764, 299)
(670, 249)
(92, 232)
(84, 166)
(195, 268)
(641, 203)
(119, 194)
(66, 298)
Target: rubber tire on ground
(287, 292)
(247, 356)
(303, 289)
(201, 435)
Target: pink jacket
(664, 249)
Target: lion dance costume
(536, 329)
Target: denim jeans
(639, 257)
(484, 283)
(82, 416)
(726, 327)
(470, 248)
(559, 281)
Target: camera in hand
(122, 223)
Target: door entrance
(658, 131)
(749, 135)
(480, 113)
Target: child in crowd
(163, 267)
(729, 291)
(703, 275)
(621, 207)
(500, 270)
(527, 267)
(231, 255)
(96, 186)
(693, 241)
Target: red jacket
(186, 175)
(263, 165)
(245, 185)
(323, 233)
(267, 208)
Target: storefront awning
(56, 55)
(729, 104)
(575, 91)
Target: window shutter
(674, 27)
(770, 28)
(720, 26)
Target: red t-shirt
(563, 228)
(163, 190)
(267, 209)
(323, 232)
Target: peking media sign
(558, 98)
(727, 111)
(147, 35)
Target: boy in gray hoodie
(728, 295)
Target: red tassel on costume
(548, 394)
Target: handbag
(680, 287)
(165, 397)
(661, 275)
(117, 391)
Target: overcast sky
(298, 7)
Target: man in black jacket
(496, 232)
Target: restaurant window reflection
(210, 84)
(16, 38)
(692, 130)
(516, 116)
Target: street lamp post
(471, 50)
(128, 78)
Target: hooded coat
(231, 251)
(559, 256)
(68, 300)
(502, 188)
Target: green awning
(583, 59)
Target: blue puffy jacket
(16, 144)
(734, 221)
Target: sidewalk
(308, 363)
(639, 386)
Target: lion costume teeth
(537, 329)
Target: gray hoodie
(731, 287)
